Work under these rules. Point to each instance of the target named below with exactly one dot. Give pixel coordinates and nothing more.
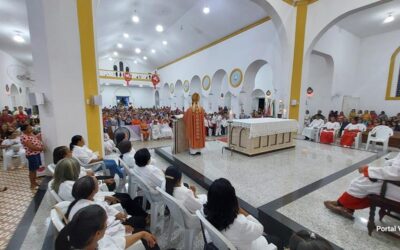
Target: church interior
(200, 124)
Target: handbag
(207, 246)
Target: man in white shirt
(310, 131)
(369, 182)
(152, 175)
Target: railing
(119, 75)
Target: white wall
(139, 97)
(344, 48)
(104, 63)
(9, 69)
(261, 42)
(373, 72)
(361, 68)
(320, 80)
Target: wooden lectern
(181, 143)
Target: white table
(260, 135)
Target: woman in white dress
(118, 223)
(243, 230)
(13, 148)
(185, 194)
(155, 130)
(166, 130)
(87, 230)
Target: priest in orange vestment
(194, 122)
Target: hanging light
(389, 18)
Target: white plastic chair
(152, 196)
(219, 240)
(181, 216)
(55, 197)
(380, 134)
(93, 166)
(56, 216)
(51, 168)
(132, 185)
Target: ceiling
(369, 22)
(13, 19)
(186, 27)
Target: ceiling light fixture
(138, 51)
(206, 10)
(135, 19)
(110, 58)
(164, 42)
(135, 62)
(153, 51)
(115, 53)
(389, 18)
(119, 45)
(126, 35)
(159, 28)
(18, 39)
(145, 58)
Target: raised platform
(267, 183)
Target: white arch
(15, 96)
(215, 99)
(157, 98)
(179, 95)
(165, 96)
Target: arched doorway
(165, 96)
(257, 100)
(216, 90)
(179, 95)
(258, 76)
(157, 98)
(228, 100)
(15, 96)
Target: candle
(230, 114)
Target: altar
(261, 135)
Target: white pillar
(57, 70)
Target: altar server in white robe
(155, 130)
(166, 130)
(329, 129)
(370, 182)
(310, 131)
(185, 194)
(218, 122)
(13, 148)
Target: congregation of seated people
(92, 219)
(338, 125)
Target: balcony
(111, 77)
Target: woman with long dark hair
(118, 223)
(67, 173)
(223, 212)
(187, 195)
(87, 230)
(86, 156)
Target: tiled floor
(310, 212)
(264, 178)
(14, 201)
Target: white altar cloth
(266, 126)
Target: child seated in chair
(144, 130)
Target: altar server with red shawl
(194, 121)
(329, 130)
(351, 131)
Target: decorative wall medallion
(171, 88)
(186, 86)
(206, 83)
(236, 78)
